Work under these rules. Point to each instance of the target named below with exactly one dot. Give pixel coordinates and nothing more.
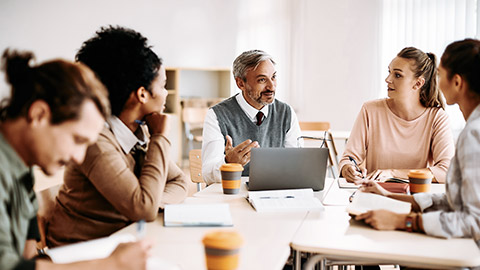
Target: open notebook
(363, 202)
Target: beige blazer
(103, 195)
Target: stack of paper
(197, 215)
(363, 202)
(284, 200)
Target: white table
(334, 236)
(267, 236)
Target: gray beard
(259, 99)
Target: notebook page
(198, 215)
(363, 202)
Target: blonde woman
(408, 130)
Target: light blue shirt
(457, 212)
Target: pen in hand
(140, 122)
(356, 166)
(141, 229)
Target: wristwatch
(409, 223)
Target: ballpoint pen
(284, 197)
(350, 199)
(140, 122)
(356, 166)
(141, 229)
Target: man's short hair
(122, 60)
(249, 60)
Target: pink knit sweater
(382, 140)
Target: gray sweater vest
(234, 121)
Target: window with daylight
(429, 25)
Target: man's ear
(240, 83)
(419, 84)
(141, 95)
(39, 113)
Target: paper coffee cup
(222, 250)
(231, 177)
(420, 180)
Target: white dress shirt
(213, 145)
(125, 137)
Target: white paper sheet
(284, 200)
(99, 249)
(197, 215)
(363, 202)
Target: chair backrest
(46, 203)
(314, 125)
(193, 115)
(195, 160)
(329, 142)
(193, 118)
(333, 153)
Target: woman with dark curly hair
(127, 174)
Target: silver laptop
(287, 168)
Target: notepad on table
(395, 185)
(343, 183)
(363, 202)
(197, 215)
(284, 200)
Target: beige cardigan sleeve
(107, 168)
(176, 187)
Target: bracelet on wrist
(409, 223)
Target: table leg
(298, 260)
(312, 261)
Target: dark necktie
(138, 153)
(259, 118)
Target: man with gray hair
(249, 119)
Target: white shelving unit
(194, 87)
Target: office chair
(195, 160)
(327, 141)
(46, 203)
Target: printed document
(284, 200)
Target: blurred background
(332, 55)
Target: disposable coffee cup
(222, 250)
(420, 181)
(231, 177)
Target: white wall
(341, 60)
(183, 32)
(338, 42)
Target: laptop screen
(287, 168)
